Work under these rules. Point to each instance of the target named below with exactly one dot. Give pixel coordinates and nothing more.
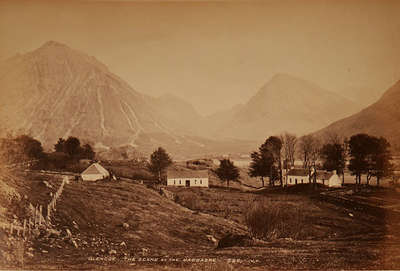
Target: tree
(267, 161)
(30, 148)
(159, 161)
(289, 142)
(379, 159)
(87, 152)
(360, 149)
(306, 148)
(227, 171)
(72, 146)
(310, 152)
(59, 146)
(333, 157)
(260, 166)
(274, 145)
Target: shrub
(269, 220)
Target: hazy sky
(217, 54)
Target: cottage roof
(297, 172)
(95, 168)
(183, 173)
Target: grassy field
(122, 225)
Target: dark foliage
(227, 171)
(159, 161)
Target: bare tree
(289, 143)
(306, 146)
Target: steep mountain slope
(287, 103)
(55, 91)
(380, 119)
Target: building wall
(92, 177)
(194, 182)
(291, 180)
(335, 181)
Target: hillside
(123, 225)
(286, 103)
(55, 91)
(379, 119)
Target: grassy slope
(165, 228)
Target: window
(201, 182)
(174, 182)
(180, 182)
(195, 181)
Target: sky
(218, 54)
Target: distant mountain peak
(52, 43)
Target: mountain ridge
(381, 118)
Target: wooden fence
(36, 218)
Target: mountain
(286, 103)
(379, 119)
(55, 91)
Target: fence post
(23, 232)
(40, 215)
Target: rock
(31, 249)
(232, 240)
(36, 232)
(74, 243)
(125, 225)
(44, 251)
(350, 214)
(123, 244)
(211, 238)
(46, 183)
(29, 254)
(52, 232)
(69, 234)
(112, 252)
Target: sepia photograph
(200, 135)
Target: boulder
(232, 240)
(125, 225)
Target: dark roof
(298, 172)
(185, 173)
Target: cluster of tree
(72, 147)
(366, 155)
(20, 149)
(369, 155)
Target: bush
(266, 219)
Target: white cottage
(330, 179)
(296, 176)
(95, 172)
(187, 178)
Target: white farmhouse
(330, 179)
(187, 178)
(296, 176)
(95, 172)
